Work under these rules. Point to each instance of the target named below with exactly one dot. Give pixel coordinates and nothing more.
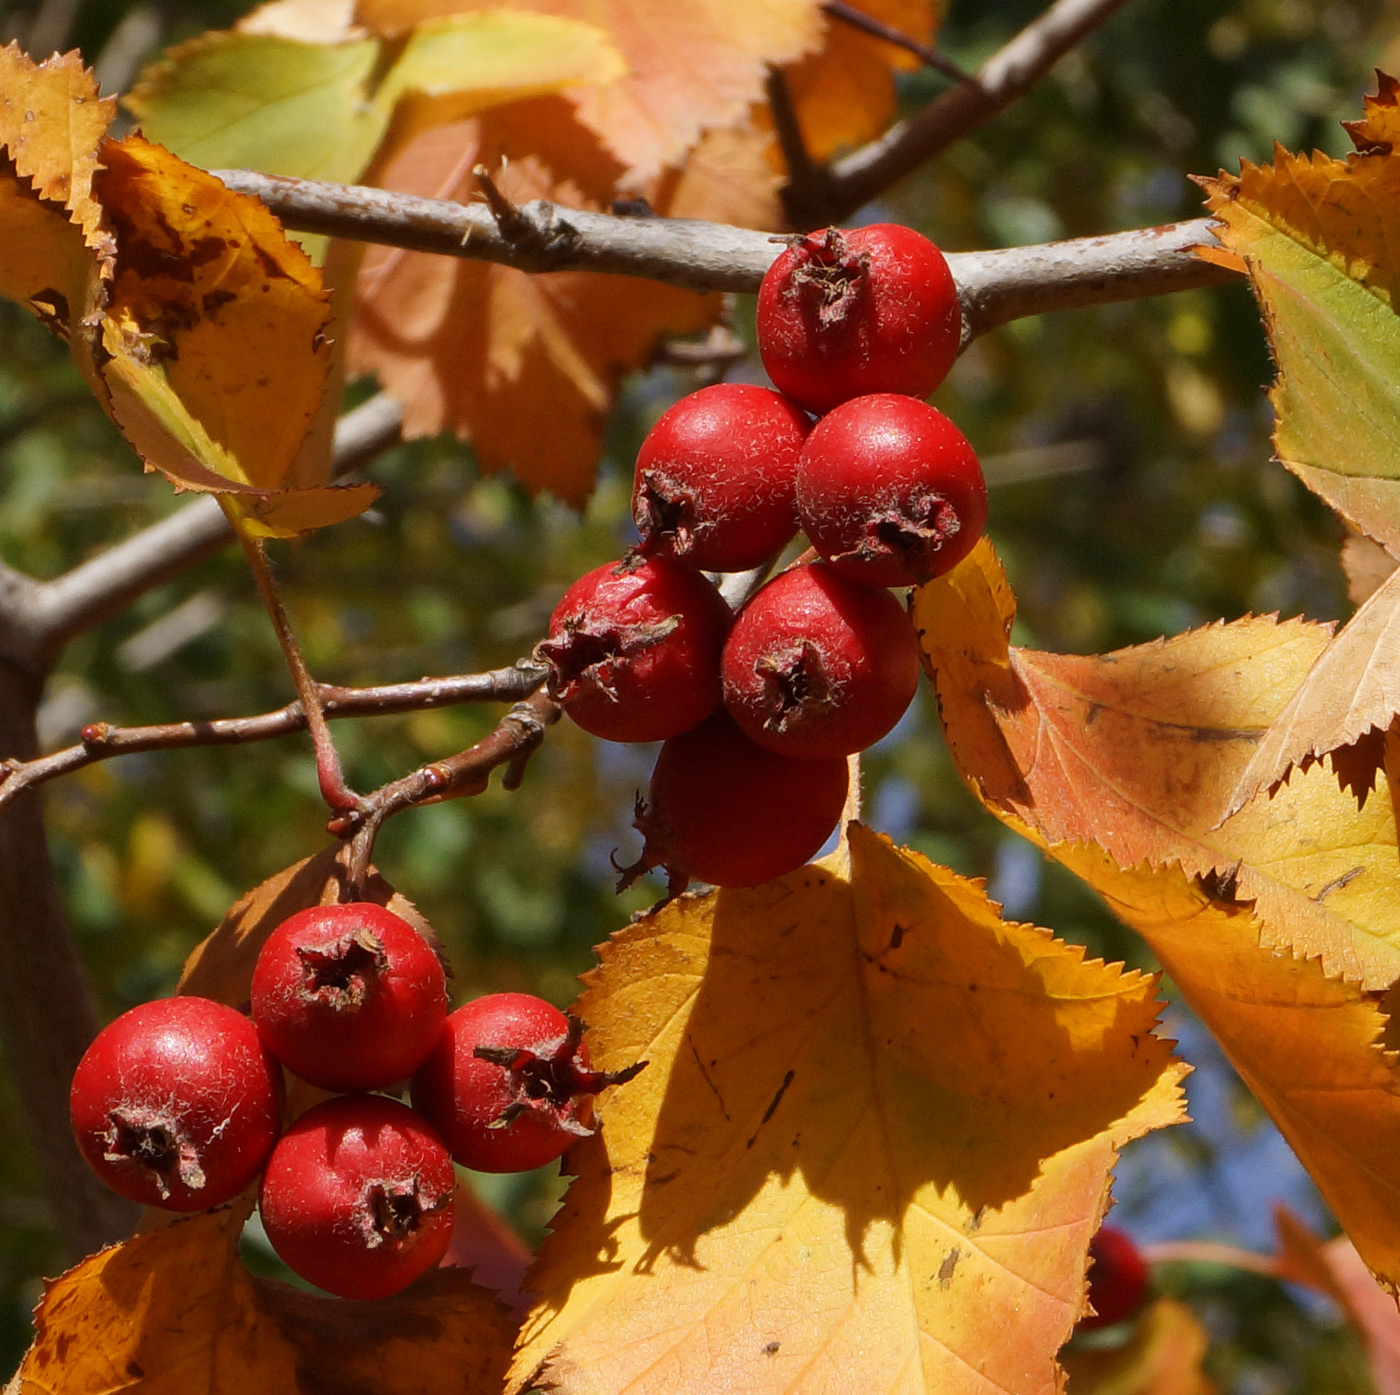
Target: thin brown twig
(802, 169)
(1008, 74)
(515, 739)
(102, 741)
(329, 775)
(878, 29)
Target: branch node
(95, 734)
(536, 229)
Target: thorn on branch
(535, 229)
(877, 29)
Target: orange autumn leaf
(693, 65)
(844, 93)
(526, 367)
(51, 122)
(1342, 709)
(173, 1310)
(1310, 1046)
(211, 348)
(1140, 749)
(1162, 1357)
(876, 1128)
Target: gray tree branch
(833, 195)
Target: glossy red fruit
(715, 478)
(509, 1084)
(1118, 1278)
(177, 1104)
(357, 1197)
(348, 997)
(843, 314)
(725, 810)
(634, 650)
(819, 666)
(890, 492)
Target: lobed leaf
(1139, 751)
(875, 1130)
(173, 1310)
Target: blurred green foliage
(1145, 502)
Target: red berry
(177, 1104)
(349, 997)
(819, 666)
(634, 650)
(357, 1197)
(890, 492)
(715, 478)
(843, 314)
(1117, 1278)
(509, 1084)
(724, 810)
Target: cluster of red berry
(179, 1103)
(758, 712)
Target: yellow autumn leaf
(1310, 1046)
(50, 226)
(174, 1312)
(875, 1131)
(211, 348)
(1139, 751)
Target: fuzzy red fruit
(349, 997)
(509, 1084)
(843, 314)
(177, 1104)
(1118, 1278)
(724, 810)
(634, 650)
(890, 492)
(357, 1197)
(715, 478)
(819, 666)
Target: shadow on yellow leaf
(526, 367)
(876, 1129)
(1163, 1357)
(173, 1310)
(1140, 749)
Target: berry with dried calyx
(509, 1084)
(634, 648)
(844, 314)
(890, 492)
(819, 666)
(349, 997)
(1118, 1278)
(177, 1104)
(724, 810)
(715, 478)
(357, 1197)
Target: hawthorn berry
(357, 1197)
(634, 648)
(715, 478)
(509, 1084)
(890, 492)
(844, 314)
(348, 997)
(722, 809)
(819, 666)
(177, 1104)
(1117, 1278)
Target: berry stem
(337, 794)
